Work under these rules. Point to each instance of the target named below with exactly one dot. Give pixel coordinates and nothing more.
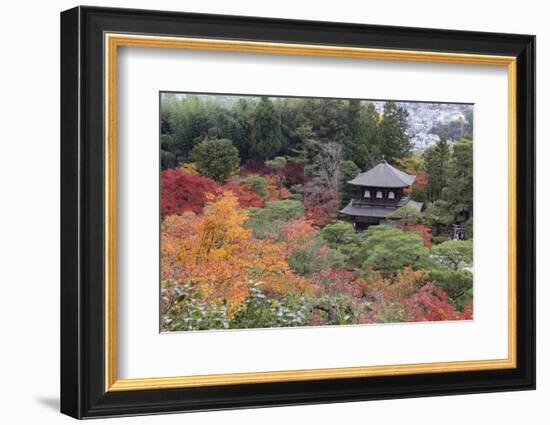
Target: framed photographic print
(261, 212)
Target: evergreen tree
(370, 153)
(329, 122)
(290, 113)
(167, 158)
(240, 128)
(395, 142)
(362, 145)
(190, 126)
(437, 165)
(461, 188)
(355, 127)
(266, 130)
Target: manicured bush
(216, 158)
(454, 254)
(266, 221)
(389, 250)
(258, 184)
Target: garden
(251, 230)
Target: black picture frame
(83, 392)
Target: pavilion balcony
(380, 202)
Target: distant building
(381, 191)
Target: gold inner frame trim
(113, 41)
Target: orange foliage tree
(298, 234)
(220, 258)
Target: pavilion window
(391, 195)
(378, 194)
(367, 194)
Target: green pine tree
(266, 130)
(395, 142)
(437, 165)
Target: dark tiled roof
(383, 175)
(377, 211)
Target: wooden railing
(379, 202)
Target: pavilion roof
(378, 211)
(383, 175)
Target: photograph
(285, 211)
(269, 211)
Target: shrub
(336, 259)
(260, 311)
(266, 221)
(258, 184)
(309, 260)
(339, 233)
(390, 250)
(453, 254)
(336, 309)
(183, 311)
(216, 158)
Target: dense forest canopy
(267, 127)
(251, 189)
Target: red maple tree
(243, 191)
(182, 192)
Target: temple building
(381, 191)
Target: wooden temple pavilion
(381, 191)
